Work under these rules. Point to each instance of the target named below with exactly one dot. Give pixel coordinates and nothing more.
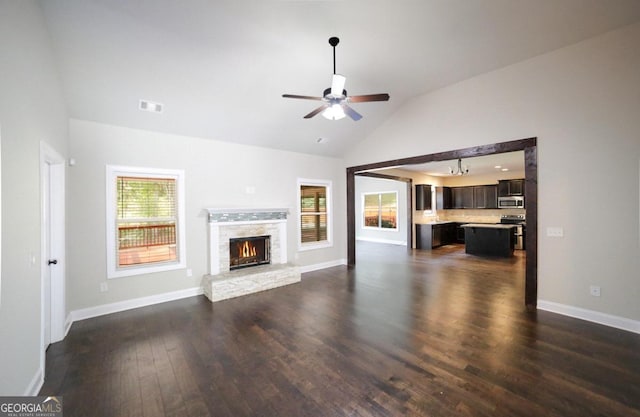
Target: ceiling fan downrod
(333, 41)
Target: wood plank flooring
(430, 333)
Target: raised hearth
(248, 281)
(232, 274)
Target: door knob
(52, 261)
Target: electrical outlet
(104, 287)
(555, 231)
(189, 272)
(594, 290)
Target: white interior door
(46, 270)
(52, 178)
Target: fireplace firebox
(249, 251)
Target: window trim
(112, 172)
(324, 243)
(379, 193)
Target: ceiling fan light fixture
(334, 112)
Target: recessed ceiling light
(497, 166)
(504, 169)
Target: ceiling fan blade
(369, 97)
(301, 97)
(351, 113)
(316, 111)
(337, 84)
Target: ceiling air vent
(150, 106)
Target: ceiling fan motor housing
(327, 93)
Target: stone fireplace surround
(221, 283)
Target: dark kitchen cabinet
(423, 197)
(423, 236)
(436, 236)
(508, 188)
(443, 198)
(459, 233)
(429, 236)
(462, 197)
(485, 196)
(448, 233)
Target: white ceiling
(221, 66)
(477, 165)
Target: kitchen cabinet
(462, 197)
(436, 236)
(489, 239)
(429, 236)
(448, 233)
(459, 238)
(485, 196)
(423, 197)
(508, 188)
(443, 198)
(471, 197)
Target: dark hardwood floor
(432, 333)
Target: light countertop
(490, 226)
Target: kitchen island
(489, 239)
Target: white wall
(377, 185)
(31, 110)
(582, 102)
(216, 175)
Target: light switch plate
(555, 232)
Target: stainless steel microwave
(511, 202)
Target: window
(314, 199)
(145, 221)
(380, 210)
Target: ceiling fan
(335, 99)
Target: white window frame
(114, 171)
(386, 229)
(325, 243)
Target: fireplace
(239, 238)
(249, 251)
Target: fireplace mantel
(241, 215)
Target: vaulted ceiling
(220, 67)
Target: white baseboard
(87, 313)
(101, 310)
(323, 265)
(67, 325)
(590, 315)
(389, 241)
(36, 383)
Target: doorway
(52, 246)
(528, 145)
